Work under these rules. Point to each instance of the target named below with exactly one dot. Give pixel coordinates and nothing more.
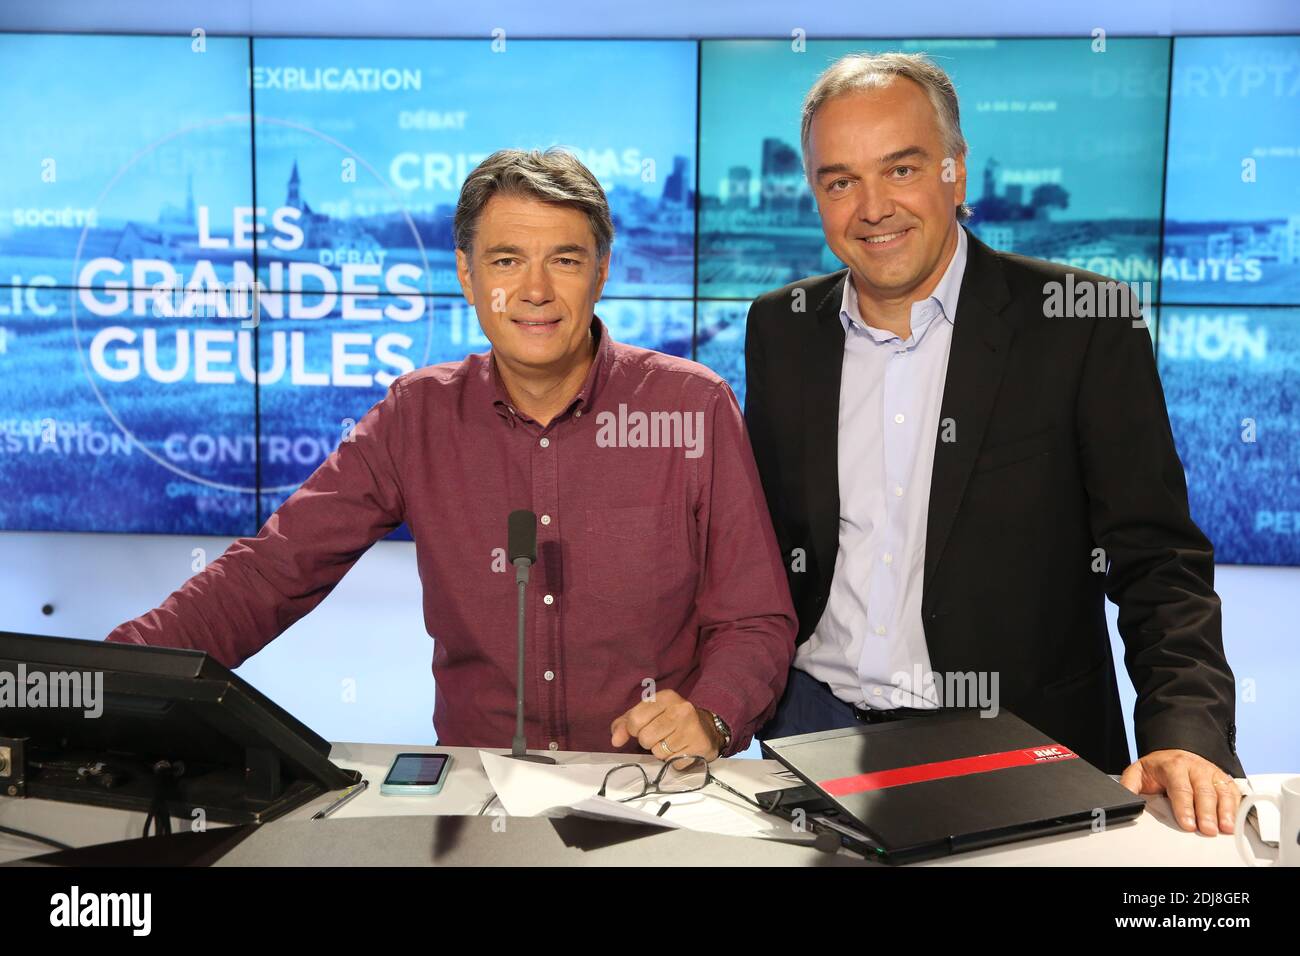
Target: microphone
(521, 548)
(521, 542)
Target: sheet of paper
(608, 809)
(532, 789)
(529, 789)
(709, 813)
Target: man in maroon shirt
(659, 616)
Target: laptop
(929, 786)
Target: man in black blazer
(1044, 477)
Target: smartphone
(415, 773)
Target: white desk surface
(1153, 839)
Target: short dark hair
(555, 175)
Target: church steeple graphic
(294, 200)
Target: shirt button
(546, 519)
(548, 600)
(546, 442)
(549, 675)
(887, 558)
(898, 493)
(553, 745)
(880, 629)
(877, 692)
(897, 418)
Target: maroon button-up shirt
(656, 556)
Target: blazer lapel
(823, 361)
(981, 340)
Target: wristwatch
(721, 726)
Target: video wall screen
(1231, 377)
(105, 174)
(1229, 351)
(1232, 204)
(372, 139)
(140, 393)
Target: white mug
(1288, 805)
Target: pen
(348, 794)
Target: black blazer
(1062, 445)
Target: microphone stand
(518, 749)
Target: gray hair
(869, 71)
(553, 176)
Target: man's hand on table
(1199, 792)
(668, 726)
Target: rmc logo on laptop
(1050, 753)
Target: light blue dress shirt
(869, 645)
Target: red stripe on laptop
(1045, 753)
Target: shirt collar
(945, 294)
(597, 375)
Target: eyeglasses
(686, 773)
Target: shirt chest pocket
(633, 554)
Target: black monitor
(170, 729)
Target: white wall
(371, 631)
